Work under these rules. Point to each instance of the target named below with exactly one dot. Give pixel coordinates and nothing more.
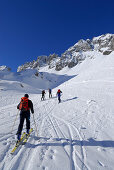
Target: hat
(26, 95)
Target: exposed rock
(71, 64)
(40, 62)
(75, 54)
(58, 67)
(36, 74)
(21, 85)
(104, 41)
(106, 52)
(4, 68)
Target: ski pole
(35, 125)
(15, 121)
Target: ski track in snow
(56, 128)
(72, 154)
(43, 146)
(61, 136)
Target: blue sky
(30, 28)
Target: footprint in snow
(52, 151)
(83, 127)
(50, 156)
(44, 168)
(101, 149)
(5, 143)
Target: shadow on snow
(56, 80)
(69, 99)
(65, 142)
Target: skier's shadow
(69, 99)
(42, 141)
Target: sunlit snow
(77, 134)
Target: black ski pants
(50, 95)
(24, 115)
(59, 99)
(43, 97)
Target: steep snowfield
(76, 134)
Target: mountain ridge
(74, 55)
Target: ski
(19, 143)
(27, 136)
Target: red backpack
(24, 104)
(59, 91)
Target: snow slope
(77, 134)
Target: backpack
(23, 106)
(59, 91)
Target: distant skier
(50, 93)
(43, 95)
(59, 95)
(24, 106)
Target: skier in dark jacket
(59, 95)
(24, 106)
(43, 95)
(50, 93)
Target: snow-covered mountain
(74, 55)
(40, 62)
(76, 134)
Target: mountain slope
(75, 134)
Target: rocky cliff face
(40, 62)
(78, 52)
(75, 54)
(104, 41)
(5, 68)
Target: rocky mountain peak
(4, 68)
(104, 41)
(75, 54)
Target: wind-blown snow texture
(76, 134)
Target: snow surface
(77, 134)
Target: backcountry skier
(59, 95)
(43, 95)
(24, 106)
(50, 93)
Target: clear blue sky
(30, 28)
